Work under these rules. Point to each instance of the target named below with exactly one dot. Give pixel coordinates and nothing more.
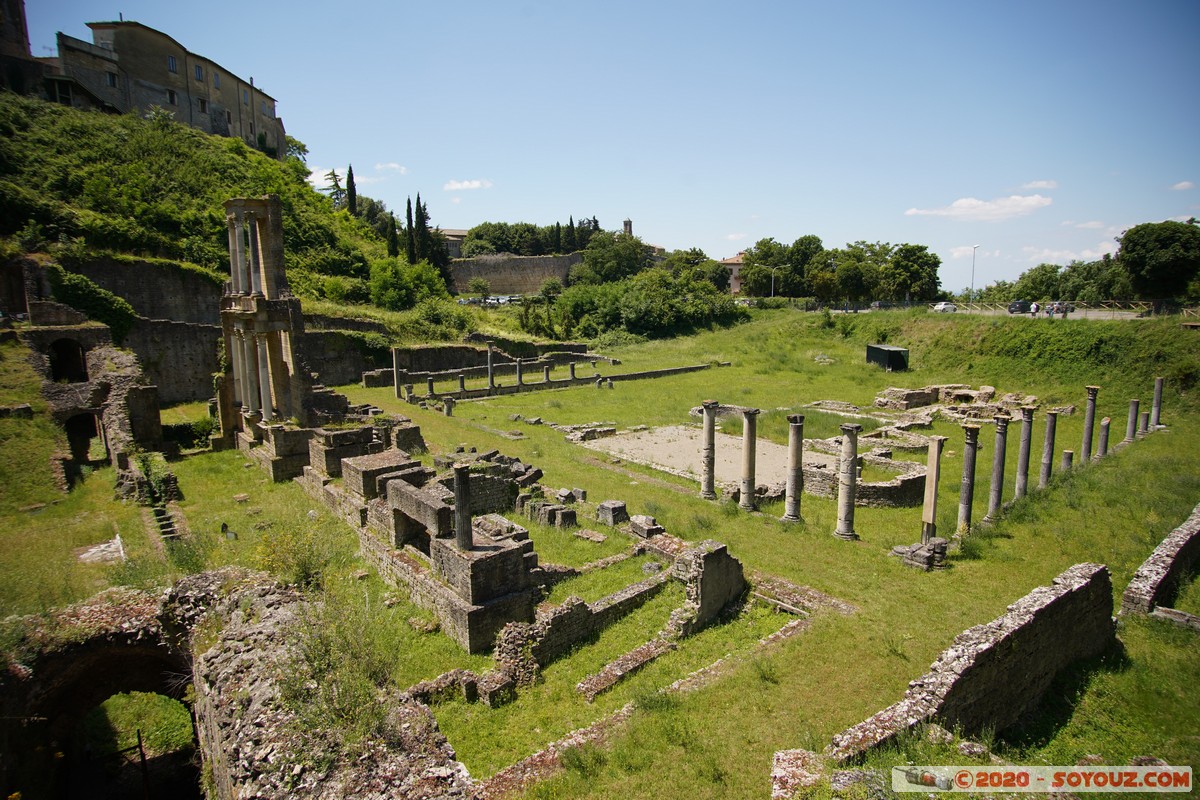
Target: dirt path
(676, 449)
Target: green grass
(165, 725)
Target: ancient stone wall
(180, 358)
(995, 673)
(1157, 579)
(509, 274)
(445, 357)
(157, 290)
(338, 358)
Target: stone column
(463, 534)
(250, 361)
(933, 472)
(1068, 458)
(610, 383)
(1048, 449)
(749, 443)
(235, 253)
(448, 406)
(847, 481)
(462, 383)
(1023, 452)
(408, 392)
(396, 374)
(571, 367)
(491, 372)
(264, 376)
(238, 382)
(794, 485)
(520, 379)
(1102, 449)
(997, 489)
(708, 450)
(1143, 424)
(255, 255)
(1156, 409)
(1131, 424)
(1089, 419)
(546, 373)
(966, 493)
(429, 387)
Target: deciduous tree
(1161, 258)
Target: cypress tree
(393, 239)
(410, 244)
(351, 192)
(571, 244)
(556, 245)
(423, 243)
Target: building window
(203, 106)
(172, 98)
(217, 79)
(251, 127)
(171, 65)
(112, 80)
(228, 117)
(245, 97)
(199, 72)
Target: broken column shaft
(966, 494)
(997, 488)
(708, 450)
(1102, 448)
(795, 469)
(1131, 423)
(462, 507)
(933, 471)
(1156, 409)
(847, 481)
(749, 443)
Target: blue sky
(1036, 130)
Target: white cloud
(1093, 225)
(455, 200)
(1183, 186)
(1001, 208)
(1041, 185)
(961, 252)
(393, 167)
(316, 177)
(369, 179)
(733, 237)
(1047, 256)
(458, 186)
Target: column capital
(851, 427)
(710, 405)
(1092, 391)
(1002, 421)
(795, 419)
(751, 412)
(1027, 413)
(971, 432)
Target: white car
(945, 308)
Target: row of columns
(245, 252)
(848, 460)
(251, 359)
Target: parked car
(945, 308)
(1062, 308)
(1019, 307)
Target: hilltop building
(734, 265)
(129, 66)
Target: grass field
(719, 741)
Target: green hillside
(154, 187)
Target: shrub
(99, 304)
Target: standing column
(708, 450)
(235, 250)
(429, 386)
(1023, 452)
(462, 383)
(448, 406)
(396, 373)
(255, 255)
(252, 373)
(1156, 409)
(546, 373)
(966, 494)
(847, 481)
(264, 376)
(519, 379)
(463, 535)
(1143, 424)
(1089, 419)
(997, 488)
(795, 468)
(1068, 458)
(933, 472)
(1131, 424)
(491, 373)
(1102, 450)
(749, 443)
(571, 366)
(1048, 449)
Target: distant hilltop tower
(629, 227)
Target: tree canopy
(1162, 259)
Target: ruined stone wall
(1157, 579)
(337, 358)
(178, 357)
(509, 274)
(444, 357)
(157, 290)
(995, 673)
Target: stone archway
(81, 429)
(67, 361)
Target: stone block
(612, 512)
(361, 473)
(566, 518)
(531, 476)
(645, 526)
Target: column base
(786, 518)
(708, 495)
(846, 536)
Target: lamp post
(773, 280)
(974, 247)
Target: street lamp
(974, 247)
(773, 280)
